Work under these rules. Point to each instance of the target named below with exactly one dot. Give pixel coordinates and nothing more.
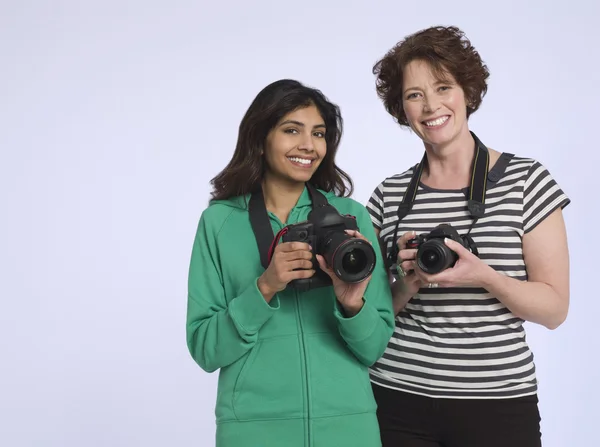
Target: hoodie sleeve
(368, 332)
(219, 331)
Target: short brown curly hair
(446, 50)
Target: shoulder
(394, 185)
(525, 166)
(397, 180)
(346, 205)
(528, 170)
(217, 215)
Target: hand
(406, 261)
(350, 296)
(469, 270)
(287, 257)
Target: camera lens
(434, 256)
(352, 259)
(430, 258)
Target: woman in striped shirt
(458, 370)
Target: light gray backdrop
(114, 115)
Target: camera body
(433, 255)
(351, 259)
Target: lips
(300, 161)
(436, 122)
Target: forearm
(218, 337)
(366, 333)
(533, 301)
(400, 296)
(215, 342)
(367, 327)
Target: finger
(324, 266)
(287, 247)
(405, 238)
(300, 274)
(299, 264)
(408, 266)
(459, 249)
(420, 273)
(357, 234)
(407, 254)
(296, 254)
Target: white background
(114, 116)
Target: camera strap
(480, 181)
(261, 225)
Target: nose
(431, 103)
(306, 142)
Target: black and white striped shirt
(464, 343)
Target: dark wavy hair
(446, 50)
(245, 171)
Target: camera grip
(412, 243)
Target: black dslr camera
(433, 255)
(352, 259)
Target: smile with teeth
(437, 122)
(301, 161)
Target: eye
(412, 95)
(443, 88)
(291, 130)
(319, 134)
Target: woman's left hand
(469, 270)
(350, 296)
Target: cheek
(321, 147)
(411, 112)
(273, 151)
(458, 103)
(270, 159)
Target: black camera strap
(480, 181)
(318, 200)
(261, 225)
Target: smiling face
(435, 109)
(296, 146)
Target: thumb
(324, 266)
(456, 247)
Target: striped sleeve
(375, 207)
(541, 197)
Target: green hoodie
(293, 372)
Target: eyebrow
(298, 123)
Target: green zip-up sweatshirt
(293, 372)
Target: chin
(301, 175)
(301, 178)
(437, 140)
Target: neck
(281, 196)
(449, 166)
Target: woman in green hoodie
(293, 361)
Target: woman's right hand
(406, 262)
(287, 257)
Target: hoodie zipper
(306, 381)
(302, 345)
